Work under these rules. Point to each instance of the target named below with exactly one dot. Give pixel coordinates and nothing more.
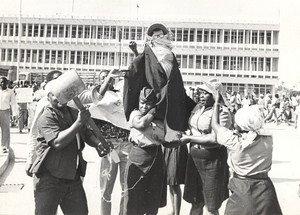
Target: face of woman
(206, 99)
(144, 107)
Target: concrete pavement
(284, 173)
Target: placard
(24, 95)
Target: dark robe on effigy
(173, 105)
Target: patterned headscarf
(250, 118)
(147, 95)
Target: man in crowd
(7, 101)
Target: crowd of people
(277, 108)
(210, 140)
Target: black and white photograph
(149, 107)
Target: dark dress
(176, 159)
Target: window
(232, 63)
(11, 29)
(22, 57)
(111, 58)
(132, 33)
(260, 64)
(226, 36)
(85, 58)
(247, 36)
(34, 56)
(100, 33)
(61, 31)
(105, 59)
(72, 60)
(92, 58)
(66, 56)
(80, 31)
(9, 55)
(55, 29)
(226, 62)
(15, 57)
(261, 37)
(185, 35)
(126, 33)
(113, 32)
(27, 56)
(219, 62)
(192, 35)
(179, 35)
(106, 32)
(35, 30)
(191, 61)
(219, 38)
(212, 62)
(59, 57)
(254, 64)
(124, 59)
(48, 30)
(199, 35)
(98, 58)
(268, 37)
(5, 29)
(254, 37)
(40, 56)
(139, 34)
(184, 62)
(247, 63)
(16, 30)
(205, 62)
(23, 29)
(240, 63)
(93, 31)
(47, 56)
(275, 65)
(42, 31)
(87, 32)
(213, 36)
(53, 56)
(198, 61)
(73, 32)
(240, 36)
(205, 36)
(233, 36)
(268, 64)
(78, 57)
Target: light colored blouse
(247, 158)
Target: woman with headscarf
(145, 184)
(207, 172)
(250, 159)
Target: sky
(285, 12)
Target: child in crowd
(250, 159)
(145, 185)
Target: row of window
(242, 88)
(246, 36)
(228, 62)
(112, 59)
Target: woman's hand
(115, 73)
(183, 138)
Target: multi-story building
(244, 56)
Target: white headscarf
(250, 118)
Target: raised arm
(216, 113)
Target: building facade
(243, 56)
